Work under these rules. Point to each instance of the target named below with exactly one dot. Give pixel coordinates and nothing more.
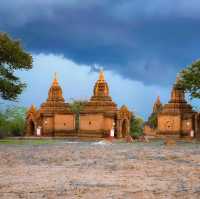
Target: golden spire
(101, 76)
(158, 100)
(32, 109)
(55, 81)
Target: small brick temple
(176, 118)
(97, 118)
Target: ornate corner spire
(32, 109)
(157, 105)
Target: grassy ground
(27, 142)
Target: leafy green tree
(152, 120)
(76, 107)
(12, 121)
(136, 128)
(12, 58)
(190, 79)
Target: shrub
(136, 129)
(12, 121)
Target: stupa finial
(158, 99)
(101, 75)
(55, 81)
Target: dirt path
(98, 171)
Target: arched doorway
(124, 128)
(31, 128)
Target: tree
(153, 120)
(12, 121)
(189, 79)
(136, 129)
(12, 58)
(76, 107)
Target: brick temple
(177, 117)
(97, 118)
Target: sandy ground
(97, 171)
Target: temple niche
(98, 116)
(177, 116)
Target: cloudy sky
(141, 45)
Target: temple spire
(177, 78)
(157, 105)
(55, 91)
(158, 100)
(177, 93)
(55, 81)
(101, 89)
(101, 76)
(32, 109)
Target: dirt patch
(99, 170)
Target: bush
(136, 129)
(153, 121)
(2, 134)
(12, 121)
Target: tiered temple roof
(177, 103)
(55, 102)
(101, 101)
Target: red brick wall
(91, 122)
(64, 122)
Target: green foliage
(76, 107)
(190, 79)
(12, 121)
(12, 58)
(136, 128)
(152, 120)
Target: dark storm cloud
(149, 41)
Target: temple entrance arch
(31, 128)
(124, 128)
(123, 122)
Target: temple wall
(64, 122)
(187, 125)
(91, 122)
(48, 126)
(149, 131)
(169, 124)
(108, 124)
